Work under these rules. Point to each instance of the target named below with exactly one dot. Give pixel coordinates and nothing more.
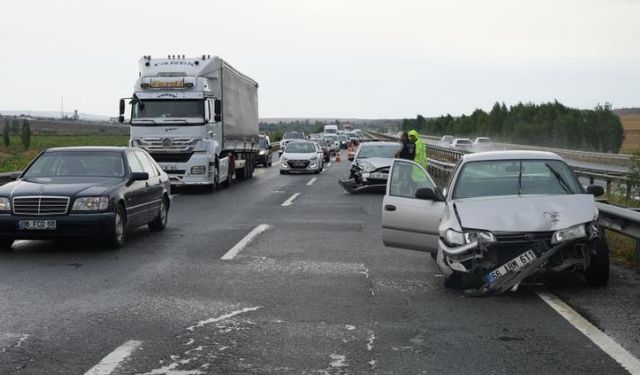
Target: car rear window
(300, 148)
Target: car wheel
(597, 274)
(160, 222)
(117, 235)
(5, 244)
(283, 172)
(453, 281)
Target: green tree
(25, 134)
(6, 133)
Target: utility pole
(62, 107)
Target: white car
(462, 144)
(482, 144)
(506, 215)
(446, 140)
(303, 156)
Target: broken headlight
(366, 166)
(479, 236)
(568, 234)
(454, 238)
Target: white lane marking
(113, 359)
(604, 342)
(223, 317)
(328, 164)
(276, 163)
(312, 181)
(289, 201)
(245, 241)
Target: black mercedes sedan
(92, 192)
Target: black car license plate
(37, 224)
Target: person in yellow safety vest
(421, 149)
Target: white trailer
(197, 117)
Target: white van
(331, 129)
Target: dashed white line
(328, 164)
(604, 342)
(113, 359)
(223, 317)
(245, 241)
(289, 201)
(276, 163)
(312, 181)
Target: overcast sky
(330, 58)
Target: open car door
(409, 222)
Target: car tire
(6, 243)
(117, 236)
(597, 274)
(160, 222)
(454, 281)
(283, 172)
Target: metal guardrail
(618, 219)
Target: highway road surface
(288, 275)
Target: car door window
(134, 163)
(407, 177)
(146, 164)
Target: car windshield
(378, 151)
(77, 164)
(300, 148)
(262, 143)
(343, 137)
(320, 141)
(148, 109)
(293, 135)
(515, 177)
(463, 142)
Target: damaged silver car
(504, 216)
(370, 168)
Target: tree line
(16, 127)
(549, 124)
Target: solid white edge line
(312, 181)
(245, 241)
(276, 163)
(289, 201)
(604, 342)
(114, 359)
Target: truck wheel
(597, 274)
(5, 244)
(160, 222)
(241, 174)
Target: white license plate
(511, 266)
(37, 224)
(378, 176)
(168, 167)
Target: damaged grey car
(505, 216)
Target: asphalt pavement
(307, 287)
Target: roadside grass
(623, 248)
(16, 158)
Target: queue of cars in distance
(476, 230)
(92, 192)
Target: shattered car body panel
(370, 168)
(499, 240)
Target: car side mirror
(269, 147)
(121, 112)
(429, 194)
(14, 176)
(595, 190)
(139, 176)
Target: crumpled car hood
(377, 162)
(526, 213)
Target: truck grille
(40, 205)
(171, 157)
(168, 144)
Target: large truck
(197, 117)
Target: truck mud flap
(352, 187)
(510, 281)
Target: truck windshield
(150, 109)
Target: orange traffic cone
(338, 157)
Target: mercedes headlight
(454, 238)
(479, 236)
(568, 234)
(198, 169)
(5, 204)
(263, 152)
(91, 204)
